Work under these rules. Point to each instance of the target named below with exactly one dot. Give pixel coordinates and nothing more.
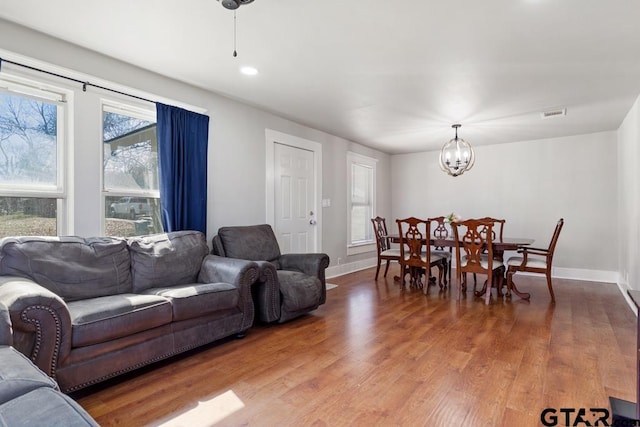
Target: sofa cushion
(166, 259)
(18, 375)
(103, 319)
(198, 299)
(299, 291)
(72, 267)
(252, 242)
(44, 407)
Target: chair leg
(499, 281)
(378, 269)
(445, 267)
(440, 274)
(553, 298)
(487, 295)
(386, 269)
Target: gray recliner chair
(289, 285)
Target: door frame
(273, 137)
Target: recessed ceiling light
(248, 71)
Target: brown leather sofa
(84, 310)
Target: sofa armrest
(312, 264)
(40, 322)
(240, 273)
(6, 333)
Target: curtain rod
(84, 84)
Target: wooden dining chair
(499, 224)
(440, 233)
(415, 252)
(383, 245)
(535, 260)
(471, 243)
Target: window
(361, 176)
(130, 171)
(32, 144)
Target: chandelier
(457, 155)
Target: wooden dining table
(499, 248)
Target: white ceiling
(392, 75)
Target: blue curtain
(182, 164)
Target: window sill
(360, 249)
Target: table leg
(511, 287)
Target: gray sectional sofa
(87, 309)
(28, 397)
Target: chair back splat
(383, 245)
(474, 254)
(415, 254)
(440, 233)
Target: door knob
(312, 221)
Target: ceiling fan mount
(234, 4)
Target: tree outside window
(31, 185)
(130, 172)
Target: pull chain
(235, 31)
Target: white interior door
(295, 200)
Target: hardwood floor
(376, 355)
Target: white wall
(531, 184)
(628, 199)
(236, 190)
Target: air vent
(553, 113)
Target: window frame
(356, 159)
(40, 90)
(125, 108)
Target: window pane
(28, 216)
(361, 229)
(130, 153)
(131, 169)
(132, 216)
(361, 184)
(28, 141)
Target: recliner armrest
(40, 321)
(311, 264)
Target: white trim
(273, 137)
(350, 267)
(361, 249)
(368, 162)
(623, 289)
(24, 85)
(559, 273)
(584, 274)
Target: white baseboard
(623, 290)
(561, 273)
(350, 267)
(586, 275)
